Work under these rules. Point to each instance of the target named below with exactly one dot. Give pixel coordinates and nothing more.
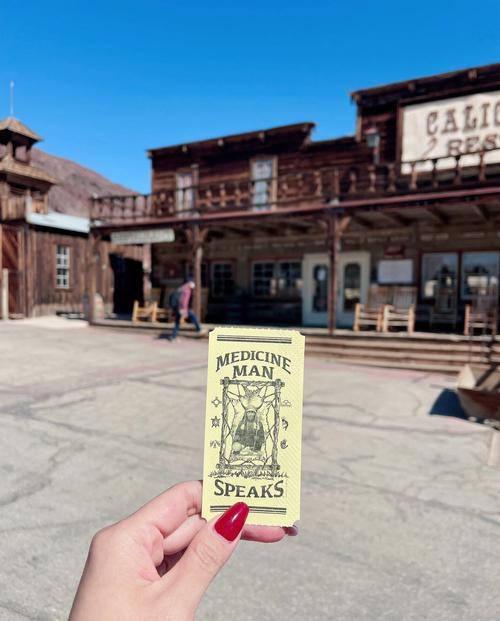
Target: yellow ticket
(253, 427)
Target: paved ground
(401, 515)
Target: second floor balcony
(326, 186)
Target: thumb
(206, 555)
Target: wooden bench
(371, 314)
(143, 313)
(400, 313)
(444, 310)
(482, 313)
(153, 310)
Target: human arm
(157, 563)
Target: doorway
(353, 279)
(128, 275)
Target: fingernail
(291, 531)
(231, 522)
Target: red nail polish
(291, 531)
(231, 522)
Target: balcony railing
(322, 185)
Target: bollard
(4, 294)
(494, 454)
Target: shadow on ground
(448, 404)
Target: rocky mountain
(77, 184)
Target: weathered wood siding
(43, 296)
(292, 158)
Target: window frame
(272, 182)
(183, 192)
(274, 290)
(423, 281)
(289, 291)
(213, 265)
(464, 255)
(68, 256)
(271, 294)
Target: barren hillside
(76, 183)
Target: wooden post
(1, 267)
(198, 255)
(467, 320)
(336, 225)
(196, 236)
(4, 283)
(4, 298)
(29, 274)
(22, 267)
(197, 258)
(146, 271)
(91, 276)
(332, 281)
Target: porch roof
(61, 221)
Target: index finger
(170, 509)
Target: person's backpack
(174, 299)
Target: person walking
(179, 302)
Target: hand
(156, 564)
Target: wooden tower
(23, 190)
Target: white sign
(451, 127)
(399, 271)
(145, 236)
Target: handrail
(325, 185)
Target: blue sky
(104, 81)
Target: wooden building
(44, 254)
(410, 201)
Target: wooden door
(11, 259)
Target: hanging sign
(144, 236)
(451, 127)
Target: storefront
(280, 229)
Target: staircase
(440, 353)
(422, 351)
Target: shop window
(290, 277)
(264, 283)
(263, 183)
(222, 279)
(352, 285)
(439, 271)
(62, 267)
(184, 192)
(480, 271)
